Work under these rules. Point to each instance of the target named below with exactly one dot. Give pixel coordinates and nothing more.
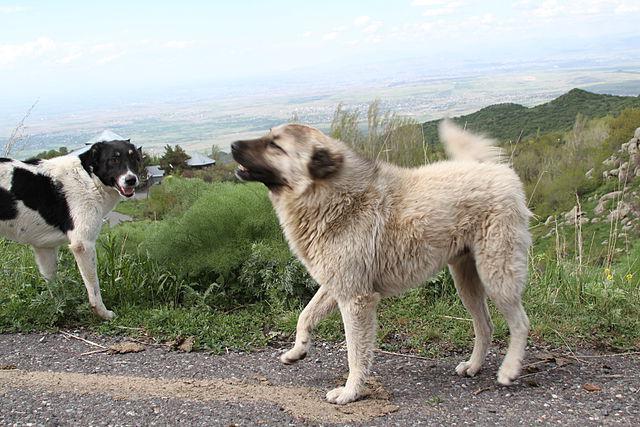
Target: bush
(173, 197)
(224, 239)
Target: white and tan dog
(46, 203)
(367, 230)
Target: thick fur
(46, 203)
(367, 230)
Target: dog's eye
(272, 144)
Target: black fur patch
(323, 164)
(4, 160)
(33, 161)
(42, 194)
(7, 205)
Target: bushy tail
(462, 145)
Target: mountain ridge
(506, 121)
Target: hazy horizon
(143, 66)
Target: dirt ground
(57, 379)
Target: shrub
(223, 239)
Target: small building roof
(198, 159)
(79, 151)
(154, 172)
(105, 136)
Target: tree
(174, 160)
(216, 153)
(52, 153)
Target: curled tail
(462, 145)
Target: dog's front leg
(318, 308)
(359, 318)
(85, 255)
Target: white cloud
(10, 53)
(439, 11)
(548, 9)
(307, 34)
(361, 21)
(627, 7)
(430, 3)
(70, 58)
(109, 58)
(555, 9)
(178, 44)
(373, 27)
(331, 36)
(438, 7)
(102, 47)
(13, 9)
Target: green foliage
(173, 197)
(388, 136)
(149, 159)
(52, 153)
(510, 122)
(174, 159)
(220, 172)
(224, 237)
(209, 260)
(622, 127)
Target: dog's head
(116, 163)
(288, 157)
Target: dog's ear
(323, 163)
(89, 158)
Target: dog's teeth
(242, 168)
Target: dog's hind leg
(85, 254)
(320, 306)
(359, 318)
(471, 291)
(47, 260)
(503, 271)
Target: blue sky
(78, 48)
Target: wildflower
(628, 277)
(607, 272)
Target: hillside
(506, 121)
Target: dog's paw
(508, 373)
(292, 356)
(107, 315)
(342, 396)
(467, 368)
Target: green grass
(210, 261)
(564, 307)
(134, 208)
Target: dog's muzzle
(126, 184)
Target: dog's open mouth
(126, 191)
(243, 173)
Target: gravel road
(54, 379)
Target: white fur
(465, 146)
(373, 230)
(89, 201)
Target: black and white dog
(46, 203)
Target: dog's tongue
(127, 191)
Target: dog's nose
(235, 146)
(131, 180)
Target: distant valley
(198, 119)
